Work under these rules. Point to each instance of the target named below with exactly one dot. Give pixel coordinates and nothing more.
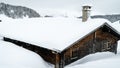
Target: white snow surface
(3, 17)
(116, 25)
(13, 56)
(51, 33)
(98, 60)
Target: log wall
(98, 41)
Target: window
(74, 53)
(106, 45)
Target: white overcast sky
(102, 6)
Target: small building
(61, 41)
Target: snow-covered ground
(12, 56)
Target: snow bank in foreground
(98, 60)
(118, 48)
(93, 57)
(12, 56)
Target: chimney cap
(87, 5)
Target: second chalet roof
(51, 33)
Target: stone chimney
(86, 9)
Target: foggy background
(99, 6)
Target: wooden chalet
(100, 39)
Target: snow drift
(13, 56)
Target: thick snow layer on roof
(12, 56)
(116, 25)
(51, 33)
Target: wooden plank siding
(98, 41)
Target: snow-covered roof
(51, 33)
(116, 25)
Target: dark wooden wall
(99, 41)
